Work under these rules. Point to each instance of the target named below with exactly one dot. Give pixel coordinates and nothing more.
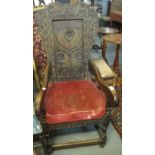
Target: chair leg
(43, 142)
(102, 129)
(101, 132)
(45, 136)
(106, 122)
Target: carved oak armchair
(68, 98)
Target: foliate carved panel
(68, 32)
(68, 49)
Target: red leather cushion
(73, 101)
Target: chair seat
(73, 101)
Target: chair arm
(36, 77)
(46, 76)
(38, 100)
(98, 70)
(40, 96)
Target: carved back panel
(68, 33)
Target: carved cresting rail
(68, 32)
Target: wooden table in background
(116, 16)
(115, 39)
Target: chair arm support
(38, 100)
(43, 83)
(36, 77)
(46, 76)
(115, 95)
(110, 92)
(40, 96)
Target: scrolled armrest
(38, 100)
(102, 71)
(115, 95)
(43, 85)
(46, 76)
(102, 67)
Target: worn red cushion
(73, 101)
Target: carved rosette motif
(68, 32)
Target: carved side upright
(68, 32)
